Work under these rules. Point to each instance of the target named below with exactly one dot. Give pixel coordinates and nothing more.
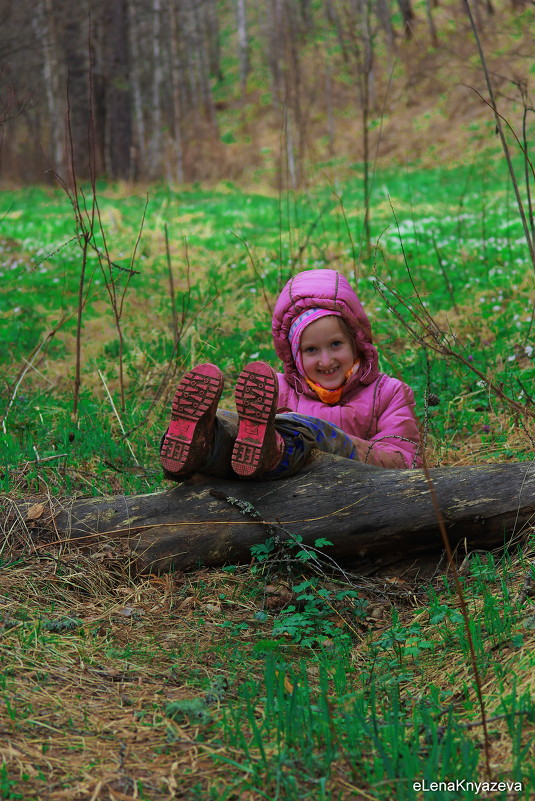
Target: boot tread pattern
(256, 402)
(194, 404)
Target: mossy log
(367, 513)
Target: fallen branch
(367, 513)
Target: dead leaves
(278, 596)
(35, 511)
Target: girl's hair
(349, 334)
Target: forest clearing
(285, 673)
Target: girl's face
(327, 352)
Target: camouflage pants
(302, 435)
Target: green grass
(267, 683)
(451, 235)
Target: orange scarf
(332, 396)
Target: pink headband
(298, 326)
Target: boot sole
(188, 438)
(256, 403)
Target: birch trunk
(243, 45)
(43, 23)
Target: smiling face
(327, 351)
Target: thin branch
(499, 127)
(464, 608)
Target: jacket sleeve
(395, 443)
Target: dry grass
(85, 718)
(90, 657)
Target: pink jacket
(376, 411)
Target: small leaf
(303, 586)
(322, 543)
(288, 686)
(35, 511)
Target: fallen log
(368, 513)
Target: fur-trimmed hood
(326, 289)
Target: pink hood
(326, 289)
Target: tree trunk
(203, 60)
(243, 46)
(366, 512)
(44, 26)
(212, 38)
(155, 146)
(431, 23)
(135, 80)
(74, 39)
(385, 20)
(408, 16)
(119, 121)
(329, 102)
(177, 95)
(274, 36)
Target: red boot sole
(256, 402)
(188, 437)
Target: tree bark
(155, 143)
(138, 132)
(384, 16)
(74, 39)
(243, 46)
(118, 101)
(203, 56)
(408, 17)
(177, 94)
(44, 26)
(431, 23)
(367, 513)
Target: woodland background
(188, 90)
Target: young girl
(331, 396)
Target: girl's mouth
(328, 372)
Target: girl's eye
(337, 343)
(310, 349)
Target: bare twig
(174, 313)
(116, 413)
(499, 127)
(256, 272)
(464, 608)
(28, 365)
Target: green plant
(7, 785)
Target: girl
(331, 396)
